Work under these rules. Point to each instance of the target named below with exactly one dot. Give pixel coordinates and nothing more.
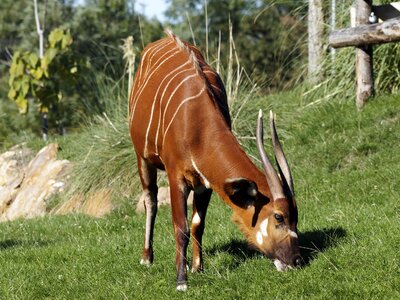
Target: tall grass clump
(102, 154)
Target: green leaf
(12, 94)
(35, 81)
(33, 59)
(44, 63)
(73, 70)
(13, 68)
(19, 69)
(37, 73)
(55, 36)
(17, 84)
(11, 80)
(50, 54)
(25, 88)
(16, 55)
(66, 41)
(22, 104)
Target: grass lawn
(346, 169)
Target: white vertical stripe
(178, 108)
(172, 94)
(143, 85)
(147, 80)
(205, 180)
(154, 49)
(161, 100)
(154, 103)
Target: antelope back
(172, 85)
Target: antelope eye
(278, 217)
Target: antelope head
(270, 225)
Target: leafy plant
(42, 78)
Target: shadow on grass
(316, 241)
(311, 243)
(238, 249)
(4, 245)
(9, 244)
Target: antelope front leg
(201, 200)
(179, 193)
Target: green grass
(346, 171)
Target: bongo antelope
(180, 123)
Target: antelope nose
(297, 261)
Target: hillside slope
(346, 173)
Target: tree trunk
(40, 32)
(365, 83)
(315, 40)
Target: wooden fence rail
(385, 32)
(363, 36)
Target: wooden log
(365, 82)
(385, 32)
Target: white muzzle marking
(280, 266)
(292, 233)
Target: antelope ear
(241, 191)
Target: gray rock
(24, 189)
(12, 166)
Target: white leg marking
(178, 108)
(145, 262)
(148, 202)
(196, 264)
(264, 227)
(205, 181)
(181, 287)
(196, 219)
(259, 237)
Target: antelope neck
(224, 159)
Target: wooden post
(315, 40)
(365, 84)
(333, 27)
